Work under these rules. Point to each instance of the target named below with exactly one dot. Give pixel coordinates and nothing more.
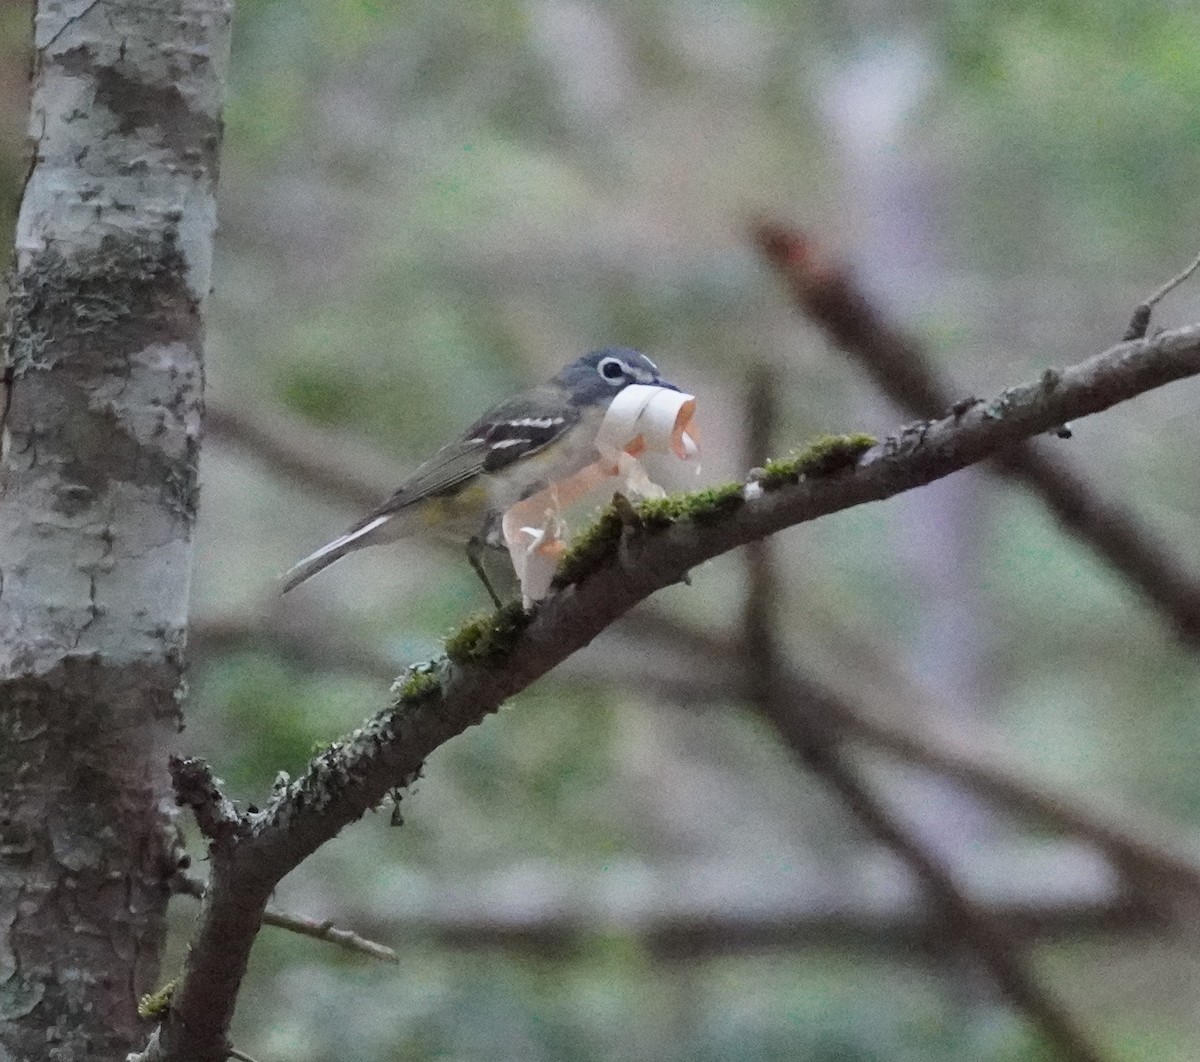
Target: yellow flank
(551, 455)
(440, 511)
(460, 513)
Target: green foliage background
(427, 205)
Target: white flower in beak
(642, 418)
(647, 419)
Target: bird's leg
(474, 555)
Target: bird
(517, 448)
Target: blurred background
(426, 206)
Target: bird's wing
(506, 433)
(512, 430)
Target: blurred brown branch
(815, 743)
(721, 671)
(320, 461)
(824, 290)
(966, 920)
(674, 925)
(250, 854)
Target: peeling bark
(103, 349)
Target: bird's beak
(669, 386)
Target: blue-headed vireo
(514, 450)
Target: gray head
(601, 374)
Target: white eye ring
(606, 367)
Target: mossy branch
(901, 367)
(596, 544)
(619, 563)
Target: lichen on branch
(630, 553)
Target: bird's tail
(335, 550)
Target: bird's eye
(611, 369)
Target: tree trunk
(103, 351)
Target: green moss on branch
(594, 546)
(591, 547)
(822, 457)
(420, 683)
(487, 637)
(154, 1005)
(703, 506)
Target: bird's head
(598, 376)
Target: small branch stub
(197, 788)
(1139, 323)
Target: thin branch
(897, 363)
(816, 747)
(1173, 283)
(328, 932)
(196, 787)
(1140, 321)
(188, 885)
(388, 751)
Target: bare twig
(1140, 321)
(816, 747)
(327, 931)
(388, 751)
(187, 884)
(825, 291)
